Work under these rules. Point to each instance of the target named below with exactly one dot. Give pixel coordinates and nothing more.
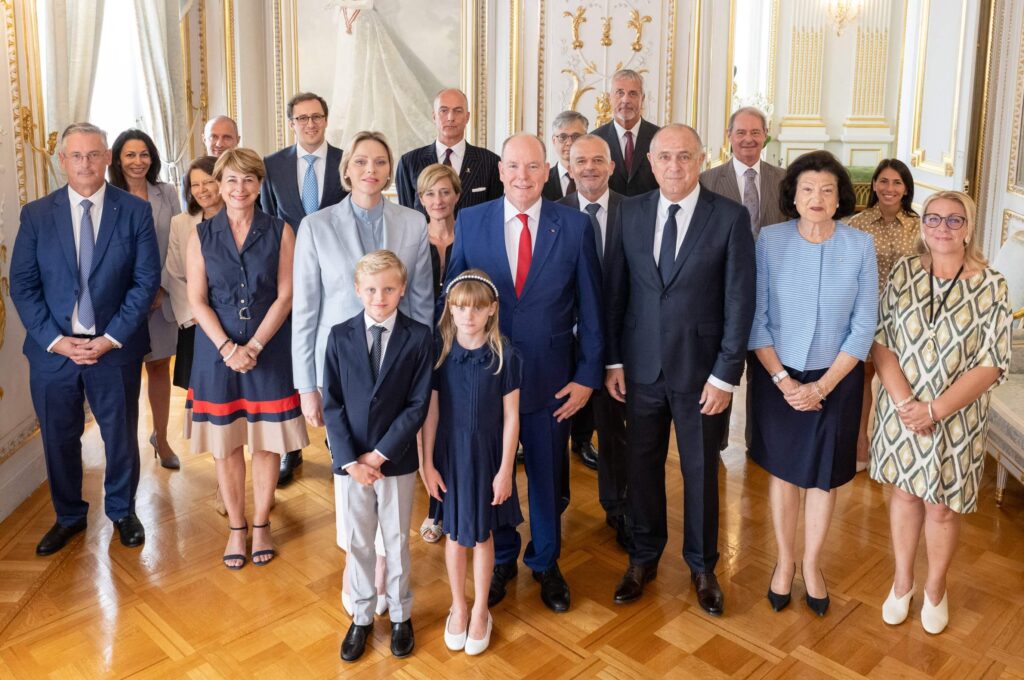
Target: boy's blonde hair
(378, 261)
(471, 288)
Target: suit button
(243, 285)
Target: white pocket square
(476, 189)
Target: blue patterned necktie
(592, 211)
(377, 350)
(667, 259)
(86, 243)
(751, 200)
(310, 199)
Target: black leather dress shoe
(587, 453)
(402, 639)
(289, 462)
(631, 586)
(131, 531)
(709, 593)
(503, 573)
(554, 591)
(354, 644)
(57, 537)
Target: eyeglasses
(90, 157)
(933, 220)
(316, 118)
(562, 137)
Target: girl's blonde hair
(974, 259)
(471, 288)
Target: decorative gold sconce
(28, 126)
(636, 22)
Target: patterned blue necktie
(310, 199)
(87, 241)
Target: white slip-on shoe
(895, 609)
(935, 617)
(474, 647)
(452, 641)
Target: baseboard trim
(21, 475)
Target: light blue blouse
(815, 300)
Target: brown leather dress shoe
(631, 587)
(709, 593)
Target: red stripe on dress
(226, 409)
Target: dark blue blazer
(279, 195)
(362, 414)
(699, 323)
(638, 179)
(563, 290)
(123, 282)
(479, 176)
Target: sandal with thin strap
(260, 553)
(243, 558)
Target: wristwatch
(780, 376)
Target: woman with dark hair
(892, 222)
(814, 320)
(134, 167)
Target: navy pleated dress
(467, 452)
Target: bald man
(220, 134)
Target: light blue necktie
(86, 243)
(310, 200)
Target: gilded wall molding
(515, 104)
(1005, 231)
(276, 18)
(14, 83)
(695, 62)
(1014, 183)
(541, 20)
(230, 75)
(18, 439)
(670, 59)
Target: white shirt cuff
(113, 342)
(611, 366)
(49, 348)
(720, 384)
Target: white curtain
(158, 32)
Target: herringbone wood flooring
(98, 610)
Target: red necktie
(629, 151)
(525, 255)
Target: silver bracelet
(231, 353)
(818, 391)
(256, 343)
(903, 402)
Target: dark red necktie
(525, 254)
(628, 156)
(447, 157)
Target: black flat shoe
(233, 557)
(289, 462)
(780, 601)
(402, 639)
(503, 573)
(587, 453)
(554, 591)
(818, 605)
(709, 593)
(57, 537)
(354, 644)
(130, 530)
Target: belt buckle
(243, 314)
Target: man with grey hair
(476, 167)
(84, 272)
(629, 135)
(566, 128)
(220, 134)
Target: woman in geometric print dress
(943, 343)
(241, 393)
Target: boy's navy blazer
(362, 414)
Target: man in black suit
(591, 166)
(476, 167)
(302, 179)
(681, 302)
(629, 136)
(567, 127)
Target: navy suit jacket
(123, 282)
(611, 228)
(638, 179)
(280, 196)
(697, 325)
(362, 414)
(563, 289)
(479, 176)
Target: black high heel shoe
(171, 462)
(260, 553)
(780, 601)
(818, 605)
(242, 558)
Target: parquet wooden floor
(170, 610)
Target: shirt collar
(371, 215)
(388, 323)
(687, 205)
(533, 211)
(458, 149)
(601, 201)
(740, 167)
(619, 130)
(320, 152)
(562, 170)
(97, 198)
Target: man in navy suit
(566, 128)
(84, 271)
(543, 259)
(302, 179)
(680, 306)
(476, 167)
(629, 136)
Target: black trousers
(651, 412)
(610, 419)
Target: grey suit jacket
(327, 248)
(163, 199)
(722, 180)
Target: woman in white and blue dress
(817, 296)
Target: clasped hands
(366, 469)
(916, 418)
(803, 396)
(243, 359)
(81, 351)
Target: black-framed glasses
(933, 220)
(562, 137)
(316, 118)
